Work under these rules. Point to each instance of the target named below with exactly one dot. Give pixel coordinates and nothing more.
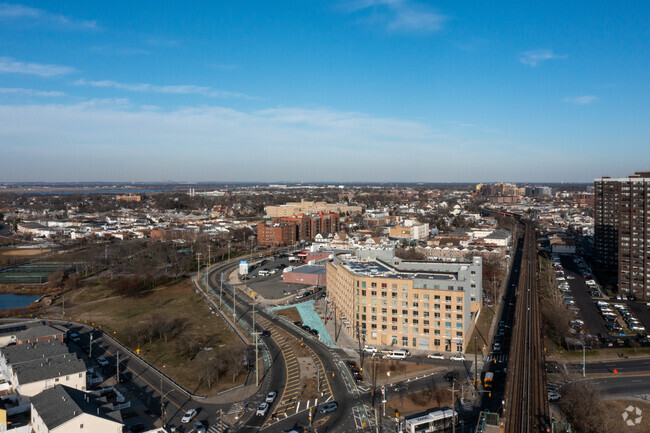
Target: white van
(263, 273)
(397, 354)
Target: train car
(440, 420)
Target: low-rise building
(34, 367)
(62, 409)
(388, 301)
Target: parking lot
(602, 317)
(272, 286)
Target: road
(617, 387)
(336, 384)
(622, 366)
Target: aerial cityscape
(336, 216)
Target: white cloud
(535, 57)
(104, 140)
(183, 89)
(29, 92)
(399, 15)
(582, 100)
(9, 65)
(20, 12)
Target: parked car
(262, 409)
(189, 416)
(102, 361)
(199, 427)
(457, 357)
(370, 349)
(436, 356)
(297, 323)
(497, 347)
(554, 396)
(329, 407)
(400, 387)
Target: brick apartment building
(622, 231)
(300, 227)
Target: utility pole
(198, 265)
(234, 304)
(475, 366)
(117, 365)
(209, 255)
(64, 305)
(453, 405)
(162, 405)
(257, 371)
(228, 251)
(221, 292)
(90, 350)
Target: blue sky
(359, 90)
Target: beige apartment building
(390, 302)
(310, 207)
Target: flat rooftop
(377, 269)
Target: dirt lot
(23, 252)
(290, 314)
(173, 328)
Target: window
(67, 378)
(363, 293)
(363, 284)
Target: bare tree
(585, 409)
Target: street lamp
(583, 358)
(162, 402)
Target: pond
(9, 300)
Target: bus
(488, 379)
(439, 420)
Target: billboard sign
(243, 267)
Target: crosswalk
(216, 428)
(364, 416)
(498, 358)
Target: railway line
(526, 403)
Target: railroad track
(526, 409)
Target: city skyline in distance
(346, 91)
